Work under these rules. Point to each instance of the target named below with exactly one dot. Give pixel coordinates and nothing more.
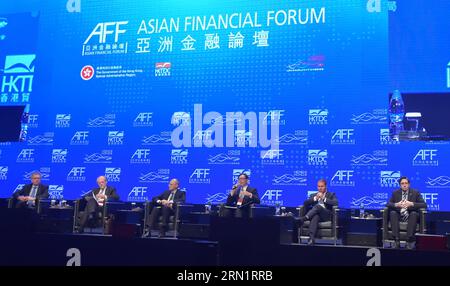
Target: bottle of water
(361, 210)
(277, 209)
(396, 114)
(208, 207)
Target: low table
(364, 231)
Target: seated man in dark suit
(168, 201)
(242, 196)
(319, 208)
(403, 206)
(30, 193)
(96, 200)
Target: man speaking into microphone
(241, 198)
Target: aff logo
(59, 155)
(389, 179)
(137, 194)
(62, 120)
(163, 69)
(200, 176)
(56, 192)
(104, 40)
(17, 80)
(25, 156)
(80, 138)
(19, 187)
(104, 30)
(373, 6)
(272, 157)
(343, 178)
(3, 173)
(317, 157)
(318, 116)
(274, 117)
(179, 156)
(77, 174)
(33, 120)
(140, 156)
(143, 119)
(115, 137)
(426, 157)
(343, 136)
(432, 200)
(73, 6)
(113, 174)
(272, 154)
(203, 136)
(272, 197)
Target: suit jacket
(110, 192)
(42, 192)
(330, 201)
(413, 196)
(232, 200)
(180, 196)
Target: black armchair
(327, 230)
(101, 219)
(387, 230)
(181, 211)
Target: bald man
(168, 201)
(96, 199)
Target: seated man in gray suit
(319, 206)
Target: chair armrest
(301, 211)
(385, 215)
(10, 203)
(422, 220)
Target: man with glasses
(30, 194)
(241, 198)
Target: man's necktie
(241, 197)
(404, 212)
(101, 201)
(171, 197)
(32, 195)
